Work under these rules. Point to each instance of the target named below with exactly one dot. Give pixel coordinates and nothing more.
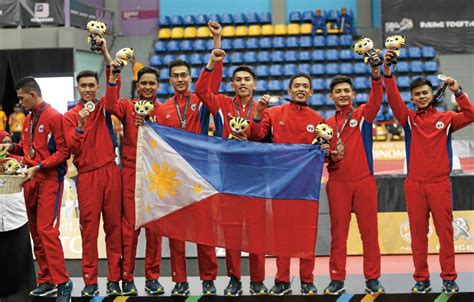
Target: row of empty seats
(224, 19)
(307, 16)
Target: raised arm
(216, 31)
(111, 101)
(376, 95)
(466, 116)
(399, 109)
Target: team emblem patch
(310, 128)
(439, 125)
(353, 123)
(40, 128)
(193, 107)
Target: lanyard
(238, 111)
(182, 120)
(348, 116)
(34, 121)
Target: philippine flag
(256, 197)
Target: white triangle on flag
(165, 181)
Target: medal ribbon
(182, 120)
(34, 121)
(348, 116)
(238, 111)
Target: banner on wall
(42, 12)
(9, 13)
(82, 13)
(394, 234)
(448, 26)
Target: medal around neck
(90, 106)
(31, 152)
(340, 146)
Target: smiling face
(342, 95)
(421, 96)
(180, 78)
(300, 89)
(87, 87)
(147, 86)
(243, 84)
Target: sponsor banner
(394, 234)
(82, 13)
(139, 14)
(42, 12)
(9, 13)
(448, 26)
(389, 150)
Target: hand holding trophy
(394, 43)
(96, 29)
(122, 56)
(365, 47)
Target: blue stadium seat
(346, 68)
(275, 85)
(201, 20)
(278, 42)
(290, 56)
(238, 43)
(252, 18)
(236, 57)
(173, 45)
(186, 45)
(361, 83)
(414, 52)
(328, 113)
(434, 81)
(318, 84)
(403, 81)
(226, 44)
(262, 86)
(307, 16)
(239, 19)
(262, 71)
(163, 89)
(346, 54)
(304, 55)
(306, 41)
(167, 59)
(264, 18)
(406, 96)
(318, 55)
(332, 55)
(199, 45)
(292, 42)
(189, 20)
(317, 69)
(362, 97)
(164, 74)
(319, 41)
(304, 68)
(266, 43)
(227, 19)
(317, 99)
(332, 15)
(295, 17)
(155, 60)
(402, 66)
(403, 53)
(183, 57)
(276, 70)
(226, 60)
(428, 52)
(431, 66)
(332, 41)
(277, 56)
(252, 43)
(380, 116)
(263, 56)
(191, 86)
(195, 59)
(361, 68)
(165, 21)
(289, 69)
(346, 40)
(416, 66)
(228, 87)
(230, 70)
(250, 57)
(176, 21)
(205, 57)
(214, 17)
(160, 46)
(332, 68)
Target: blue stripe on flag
(248, 168)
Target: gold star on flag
(148, 209)
(153, 144)
(197, 189)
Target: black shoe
(308, 289)
(258, 288)
(113, 289)
(44, 289)
(234, 288)
(153, 287)
(64, 292)
(208, 288)
(335, 288)
(421, 287)
(450, 287)
(374, 286)
(129, 289)
(90, 290)
(280, 289)
(180, 289)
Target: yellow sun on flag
(153, 144)
(163, 180)
(148, 209)
(197, 189)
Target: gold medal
(340, 146)
(31, 152)
(90, 106)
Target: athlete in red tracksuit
(223, 108)
(428, 185)
(351, 185)
(291, 123)
(45, 153)
(90, 138)
(123, 109)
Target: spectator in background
(15, 122)
(346, 23)
(3, 119)
(136, 66)
(319, 24)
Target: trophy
(394, 43)
(143, 107)
(238, 125)
(324, 134)
(365, 47)
(123, 55)
(96, 29)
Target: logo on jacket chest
(439, 125)
(41, 128)
(310, 128)
(353, 123)
(193, 107)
